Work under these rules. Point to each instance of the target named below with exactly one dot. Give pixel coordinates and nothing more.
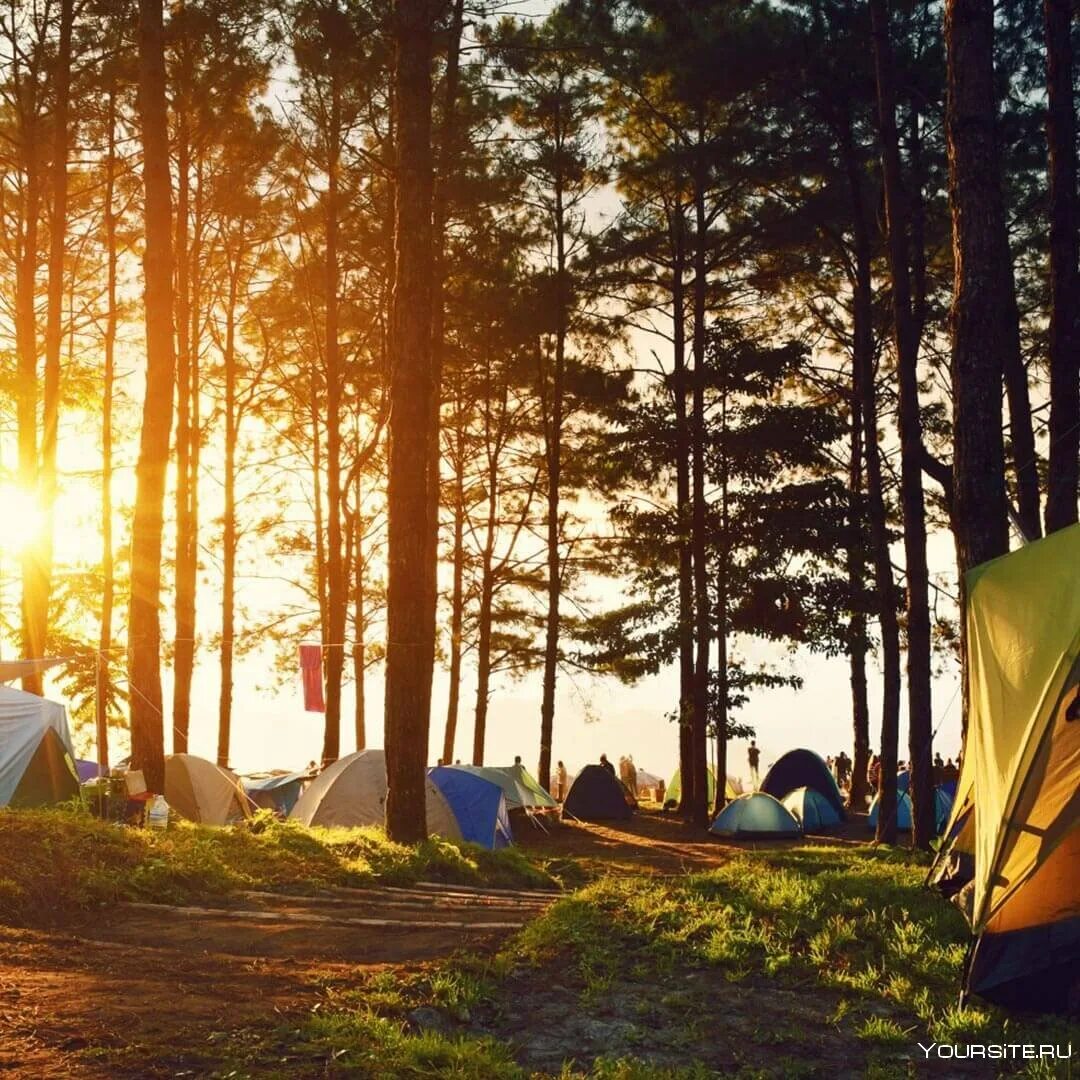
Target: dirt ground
(156, 986)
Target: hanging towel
(311, 675)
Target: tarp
(10, 670)
(87, 770)
(522, 791)
(278, 792)
(1022, 753)
(811, 810)
(203, 792)
(478, 804)
(942, 809)
(802, 768)
(596, 795)
(24, 719)
(755, 816)
(352, 793)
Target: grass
(53, 861)
(872, 958)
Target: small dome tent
(478, 804)
(732, 787)
(802, 768)
(203, 792)
(522, 790)
(352, 793)
(596, 795)
(36, 764)
(811, 810)
(942, 810)
(755, 816)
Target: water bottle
(157, 816)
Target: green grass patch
(57, 860)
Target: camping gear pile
(1011, 855)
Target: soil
(149, 991)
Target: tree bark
(359, 651)
(982, 327)
(857, 637)
(865, 393)
(102, 687)
(26, 378)
(906, 337)
(1063, 476)
(186, 542)
(228, 524)
(447, 149)
(337, 597)
(54, 321)
(144, 627)
(683, 513)
(702, 629)
(414, 423)
(457, 593)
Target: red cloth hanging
(311, 676)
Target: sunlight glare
(22, 520)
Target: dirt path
(151, 987)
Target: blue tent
(942, 809)
(811, 810)
(478, 804)
(756, 816)
(276, 792)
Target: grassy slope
(57, 860)
(680, 975)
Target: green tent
(1016, 816)
(732, 790)
(521, 789)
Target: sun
(22, 520)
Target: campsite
(539, 539)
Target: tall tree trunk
(553, 433)
(359, 652)
(228, 526)
(906, 337)
(54, 321)
(102, 687)
(483, 649)
(337, 597)
(144, 626)
(724, 556)
(857, 639)
(699, 730)
(1063, 476)
(186, 547)
(26, 381)
(866, 394)
(683, 513)
(447, 150)
(982, 327)
(414, 424)
(457, 591)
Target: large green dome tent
(755, 816)
(1012, 851)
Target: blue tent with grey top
(756, 816)
(278, 792)
(478, 804)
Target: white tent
(201, 791)
(352, 792)
(25, 720)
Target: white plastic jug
(157, 816)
